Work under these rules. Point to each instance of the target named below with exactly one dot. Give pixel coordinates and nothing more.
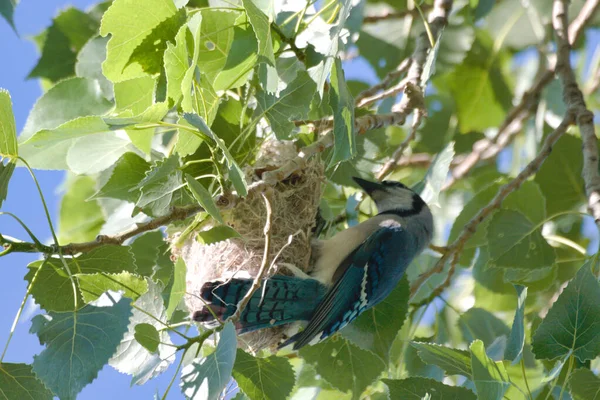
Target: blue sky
(18, 58)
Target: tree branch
(176, 214)
(574, 100)
(370, 19)
(393, 161)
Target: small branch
(370, 19)
(470, 228)
(290, 42)
(176, 214)
(263, 267)
(574, 100)
(585, 14)
(392, 91)
(393, 161)
(384, 84)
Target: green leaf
(130, 22)
(560, 176)
(157, 188)
(514, 241)
(293, 103)
(19, 382)
(344, 365)
(478, 323)
(431, 186)
(342, 107)
(69, 31)
(78, 345)
(424, 388)
(176, 290)
(573, 322)
(206, 377)
(146, 248)
(453, 361)
(147, 336)
(376, 329)
(56, 294)
(198, 93)
(216, 234)
(176, 64)
(8, 130)
(235, 173)
(93, 285)
(133, 358)
(270, 378)
(429, 66)
(479, 238)
(79, 220)
(127, 173)
(204, 198)
(516, 340)
(479, 88)
(320, 72)
(89, 64)
(109, 259)
(67, 100)
(187, 142)
(228, 50)
(529, 201)
(134, 94)
(85, 145)
(262, 29)
(490, 377)
(7, 9)
(149, 54)
(584, 385)
(6, 172)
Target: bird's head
(392, 197)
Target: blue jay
(354, 270)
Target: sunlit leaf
(206, 377)
(490, 377)
(19, 382)
(269, 378)
(78, 345)
(133, 358)
(8, 131)
(516, 340)
(573, 322)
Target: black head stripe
(417, 206)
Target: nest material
(294, 204)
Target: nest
(294, 203)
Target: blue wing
(367, 276)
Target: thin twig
(263, 267)
(385, 83)
(370, 19)
(496, 202)
(574, 100)
(393, 161)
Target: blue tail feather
(280, 300)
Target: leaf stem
(525, 378)
(27, 293)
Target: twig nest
(294, 202)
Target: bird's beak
(369, 186)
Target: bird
(353, 271)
